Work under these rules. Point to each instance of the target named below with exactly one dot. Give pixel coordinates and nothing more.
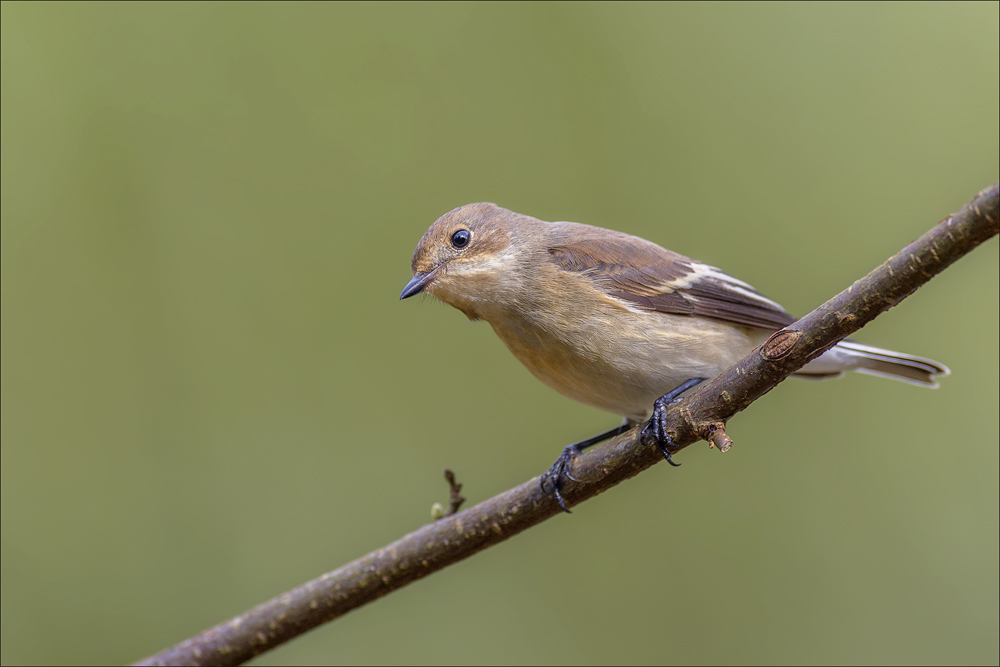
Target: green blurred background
(210, 392)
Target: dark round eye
(461, 238)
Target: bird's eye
(461, 238)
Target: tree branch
(702, 415)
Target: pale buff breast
(617, 358)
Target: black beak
(417, 284)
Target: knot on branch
(780, 344)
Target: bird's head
(467, 258)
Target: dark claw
(551, 481)
(656, 428)
(666, 452)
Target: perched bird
(612, 320)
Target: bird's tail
(848, 355)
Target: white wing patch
(705, 272)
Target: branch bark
(702, 415)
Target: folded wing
(653, 278)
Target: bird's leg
(552, 479)
(657, 425)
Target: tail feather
(886, 363)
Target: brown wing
(650, 277)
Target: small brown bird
(612, 320)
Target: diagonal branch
(702, 415)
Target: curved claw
(553, 477)
(657, 426)
(666, 453)
(554, 481)
(559, 499)
(551, 481)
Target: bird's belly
(623, 364)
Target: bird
(612, 320)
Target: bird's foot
(552, 479)
(656, 428)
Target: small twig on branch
(716, 436)
(702, 415)
(455, 499)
